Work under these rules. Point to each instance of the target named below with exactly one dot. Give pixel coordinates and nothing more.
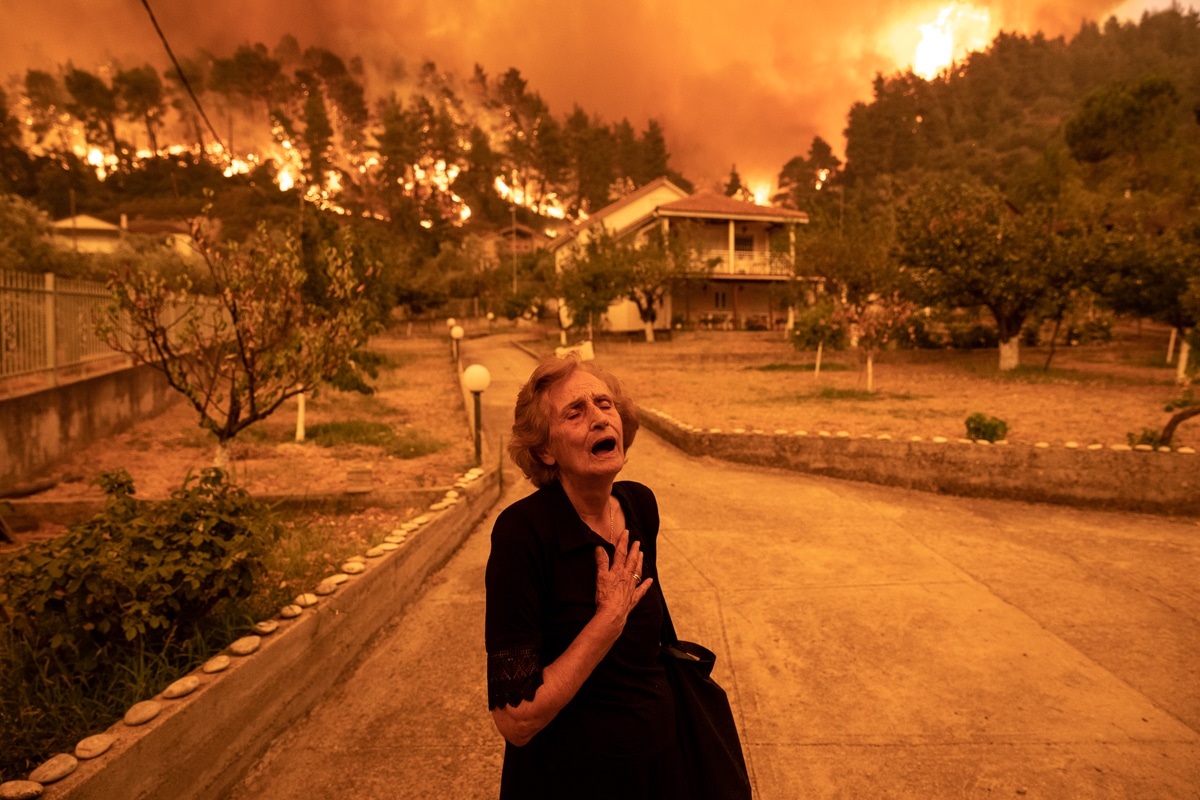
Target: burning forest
(420, 147)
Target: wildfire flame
(548, 206)
(959, 29)
(285, 179)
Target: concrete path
(876, 643)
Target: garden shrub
(1150, 436)
(138, 575)
(973, 337)
(120, 606)
(815, 325)
(1097, 330)
(988, 429)
(919, 335)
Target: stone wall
(201, 744)
(39, 429)
(1115, 477)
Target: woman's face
(586, 435)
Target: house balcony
(749, 264)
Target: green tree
(594, 277)
(25, 237)
(196, 73)
(591, 152)
(964, 245)
(142, 96)
(653, 264)
(734, 186)
(803, 177)
(47, 102)
(94, 103)
(238, 358)
(318, 132)
(1121, 119)
(863, 279)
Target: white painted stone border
(199, 744)
(1162, 481)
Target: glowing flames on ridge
(959, 29)
(548, 206)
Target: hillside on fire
(432, 169)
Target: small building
(511, 240)
(751, 247)
(84, 233)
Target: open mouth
(606, 445)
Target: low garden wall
(201, 744)
(38, 429)
(1115, 477)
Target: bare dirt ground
(728, 380)
(417, 395)
(1091, 394)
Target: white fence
(48, 324)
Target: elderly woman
(574, 611)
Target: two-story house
(752, 247)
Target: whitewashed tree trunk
(224, 457)
(649, 328)
(791, 323)
(817, 369)
(300, 430)
(1010, 355)
(1185, 352)
(1171, 346)
(870, 372)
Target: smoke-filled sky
(747, 83)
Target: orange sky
(748, 83)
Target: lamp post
(476, 378)
(456, 333)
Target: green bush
(138, 574)
(1150, 436)
(815, 325)
(119, 606)
(919, 335)
(988, 429)
(399, 443)
(973, 337)
(1097, 330)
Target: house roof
(614, 207)
(85, 223)
(713, 205)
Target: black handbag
(708, 737)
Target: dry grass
(757, 381)
(417, 397)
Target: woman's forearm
(561, 679)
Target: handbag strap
(668, 635)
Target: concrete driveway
(876, 643)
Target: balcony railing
(749, 263)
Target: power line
(186, 84)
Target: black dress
(616, 737)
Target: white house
(753, 247)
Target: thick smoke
(746, 83)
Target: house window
(719, 300)
(743, 244)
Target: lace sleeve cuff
(513, 675)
